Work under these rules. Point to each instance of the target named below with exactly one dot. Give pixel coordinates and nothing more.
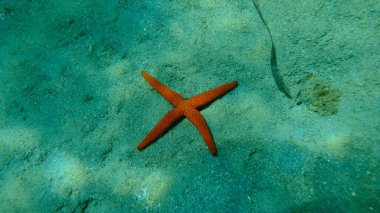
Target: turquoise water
(74, 106)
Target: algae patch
(319, 96)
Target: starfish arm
(209, 96)
(162, 126)
(199, 122)
(170, 95)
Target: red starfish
(184, 107)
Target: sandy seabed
(73, 106)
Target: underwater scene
(189, 106)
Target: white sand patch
(329, 143)
(17, 141)
(66, 173)
(122, 87)
(130, 181)
(230, 21)
(118, 70)
(320, 135)
(153, 188)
